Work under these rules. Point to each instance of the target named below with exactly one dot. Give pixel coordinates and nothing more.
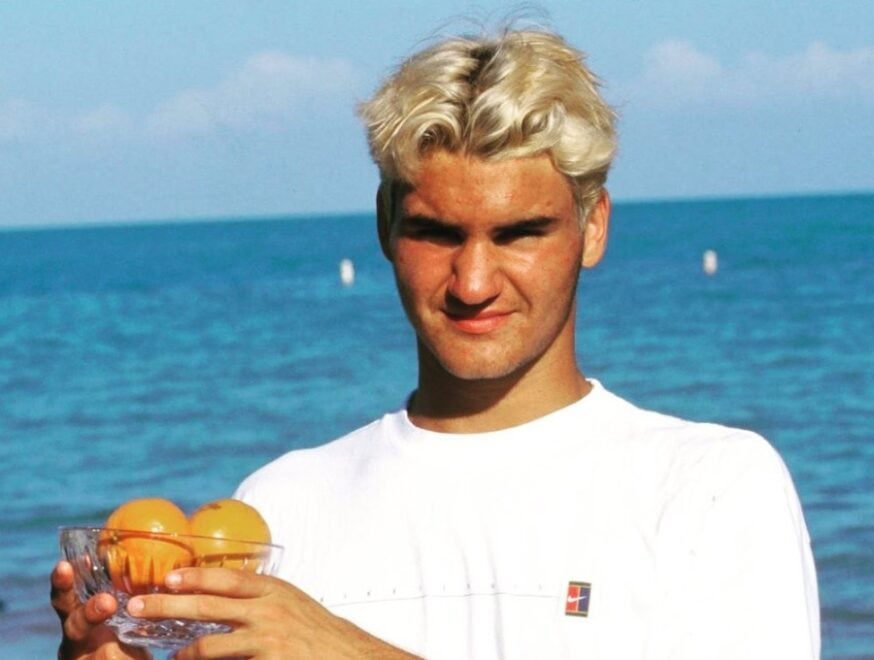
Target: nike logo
(571, 599)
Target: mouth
(479, 323)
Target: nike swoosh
(574, 600)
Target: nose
(476, 275)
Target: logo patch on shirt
(579, 594)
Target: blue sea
(172, 359)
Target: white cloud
(18, 119)
(105, 120)
(818, 70)
(678, 74)
(263, 93)
(190, 112)
(680, 62)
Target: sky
(122, 111)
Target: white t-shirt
(597, 531)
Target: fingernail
(173, 580)
(98, 607)
(135, 605)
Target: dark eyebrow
(423, 221)
(540, 222)
(433, 229)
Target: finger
(218, 646)
(230, 582)
(102, 644)
(62, 575)
(64, 599)
(198, 607)
(81, 620)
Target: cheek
(546, 272)
(418, 271)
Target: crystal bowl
(125, 563)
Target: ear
(595, 233)
(384, 214)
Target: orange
(137, 559)
(230, 532)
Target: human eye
(520, 232)
(431, 231)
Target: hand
(271, 618)
(85, 636)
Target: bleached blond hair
(521, 93)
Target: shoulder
(724, 483)
(293, 491)
(724, 521)
(324, 463)
(691, 443)
(695, 465)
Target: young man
(514, 508)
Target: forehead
(458, 187)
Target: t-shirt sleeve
(736, 569)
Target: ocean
(173, 359)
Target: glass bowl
(127, 563)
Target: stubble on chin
(475, 363)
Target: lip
(478, 324)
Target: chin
(481, 367)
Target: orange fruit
(230, 532)
(138, 544)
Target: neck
(449, 404)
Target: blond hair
(522, 93)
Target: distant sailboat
(710, 262)
(347, 272)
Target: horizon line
(274, 217)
